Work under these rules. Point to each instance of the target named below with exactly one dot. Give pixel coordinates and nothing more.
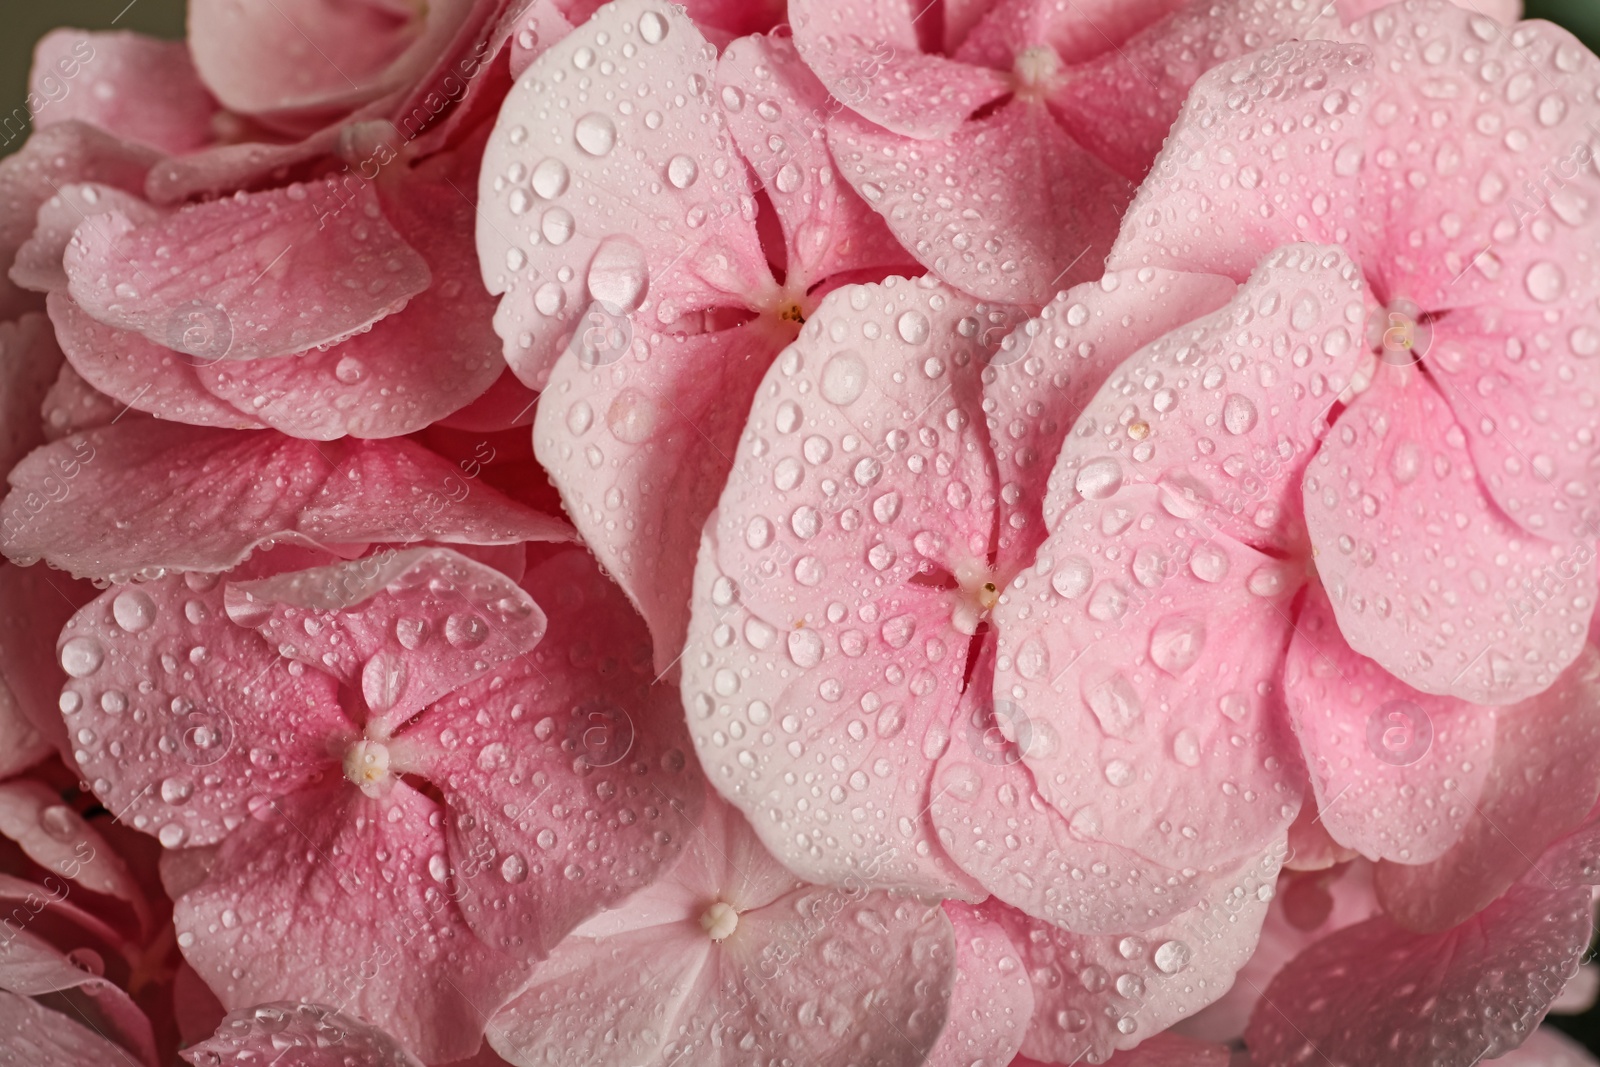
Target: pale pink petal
(72, 405)
(778, 126)
(1094, 994)
(1139, 647)
(402, 628)
(868, 55)
(1397, 772)
(640, 449)
(411, 368)
(221, 170)
(38, 264)
(991, 1005)
(139, 374)
(279, 271)
(1541, 787)
(1060, 204)
(567, 772)
(292, 59)
(1548, 1047)
(1397, 517)
(138, 88)
(40, 1037)
(29, 363)
(35, 603)
(53, 157)
(1378, 993)
(1226, 431)
(1526, 420)
(57, 838)
(187, 754)
(32, 967)
(831, 623)
(650, 203)
(992, 821)
(1078, 32)
(289, 1034)
(1163, 1050)
(1048, 370)
(541, 24)
(791, 980)
(1121, 104)
(189, 498)
(329, 896)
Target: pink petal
(827, 228)
(1377, 993)
(57, 838)
(72, 405)
(164, 482)
(138, 88)
(1397, 773)
(541, 24)
(138, 373)
(402, 628)
(53, 157)
(1078, 32)
(1547, 1047)
(640, 450)
(1138, 648)
(1225, 431)
(1088, 989)
(294, 58)
(1048, 370)
(40, 1037)
(787, 983)
(655, 212)
(566, 772)
(38, 264)
(1162, 1050)
(330, 896)
(1059, 205)
(32, 967)
(868, 55)
(991, 1005)
(1526, 421)
(992, 821)
(225, 168)
(1541, 787)
(288, 1034)
(1120, 104)
(29, 363)
(273, 273)
(1397, 514)
(892, 421)
(35, 603)
(408, 370)
(189, 753)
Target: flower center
(977, 592)
(719, 921)
(366, 763)
(1035, 72)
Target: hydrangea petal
(270, 273)
(138, 373)
(165, 483)
(1397, 773)
(1061, 205)
(138, 88)
(32, 967)
(40, 1037)
(779, 652)
(39, 262)
(640, 449)
(991, 1004)
(1547, 1047)
(652, 201)
(1113, 647)
(1226, 411)
(332, 897)
(403, 628)
(72, 406)
(1397, 516)
(288, 1034)
(868, 54)
(230, 726)
(1541, 787)
(57, 838)
(567, 773)
(1376, 992)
